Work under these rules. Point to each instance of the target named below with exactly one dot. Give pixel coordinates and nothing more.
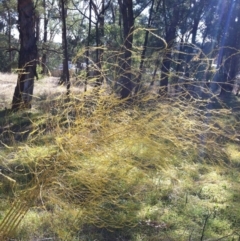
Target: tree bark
(143, 55)
(126, 8)
(45, 36)
(197, 15)
(22, 97)
(228, 43)
(65, 73)
(88, 46)
(99, 43)
(170, 30)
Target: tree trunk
(8, 9)
(45, 24)
(9, 41)
(170, 30)
(88, 45)
(198, 11)
(65, 73)
(126, 8)
(224, 56)
(22, 97)
(99, 42)
(165, 69)
(143, 55)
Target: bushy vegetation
(94, 167)
(149, 151)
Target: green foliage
(54, 55)
(102, 168)
(4, 55)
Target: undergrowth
(94, 167)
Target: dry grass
(43, 89)
(110, 171)
(7, 83)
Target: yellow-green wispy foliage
(100, 168)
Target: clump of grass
(233, 151)
(109, 169)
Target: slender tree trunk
(179, 78)
(170, 30)
(221, 75)
(165, 69)
(157, 61)
(9, 41)
(196, 22)
(65, 74)
(23, 93)
(157, 65)
(180, 58)
(99, 43)
(113, 13)
(126, 8)
(143, 55)
(45, 36)
(88, 45)
(9, 33)
(231, 60)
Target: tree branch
(11, 49)
(142, 9)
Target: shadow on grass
(14, 127)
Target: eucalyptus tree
(174, 13)
(50, 44)
(76, 26)
(129, 10)
(45, 36)
(85, 29)
(231, 53)
(228, 59)
(112, 23)
(91, 32)
(126, 10)
(88, 45)
(197, 11)
(65, 73)
(143, 54)
(99, 10)
(28, 54)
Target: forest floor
(96, 168)
(43, 88)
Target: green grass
(96, 168)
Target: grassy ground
(97, 168)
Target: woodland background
(137, 138)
